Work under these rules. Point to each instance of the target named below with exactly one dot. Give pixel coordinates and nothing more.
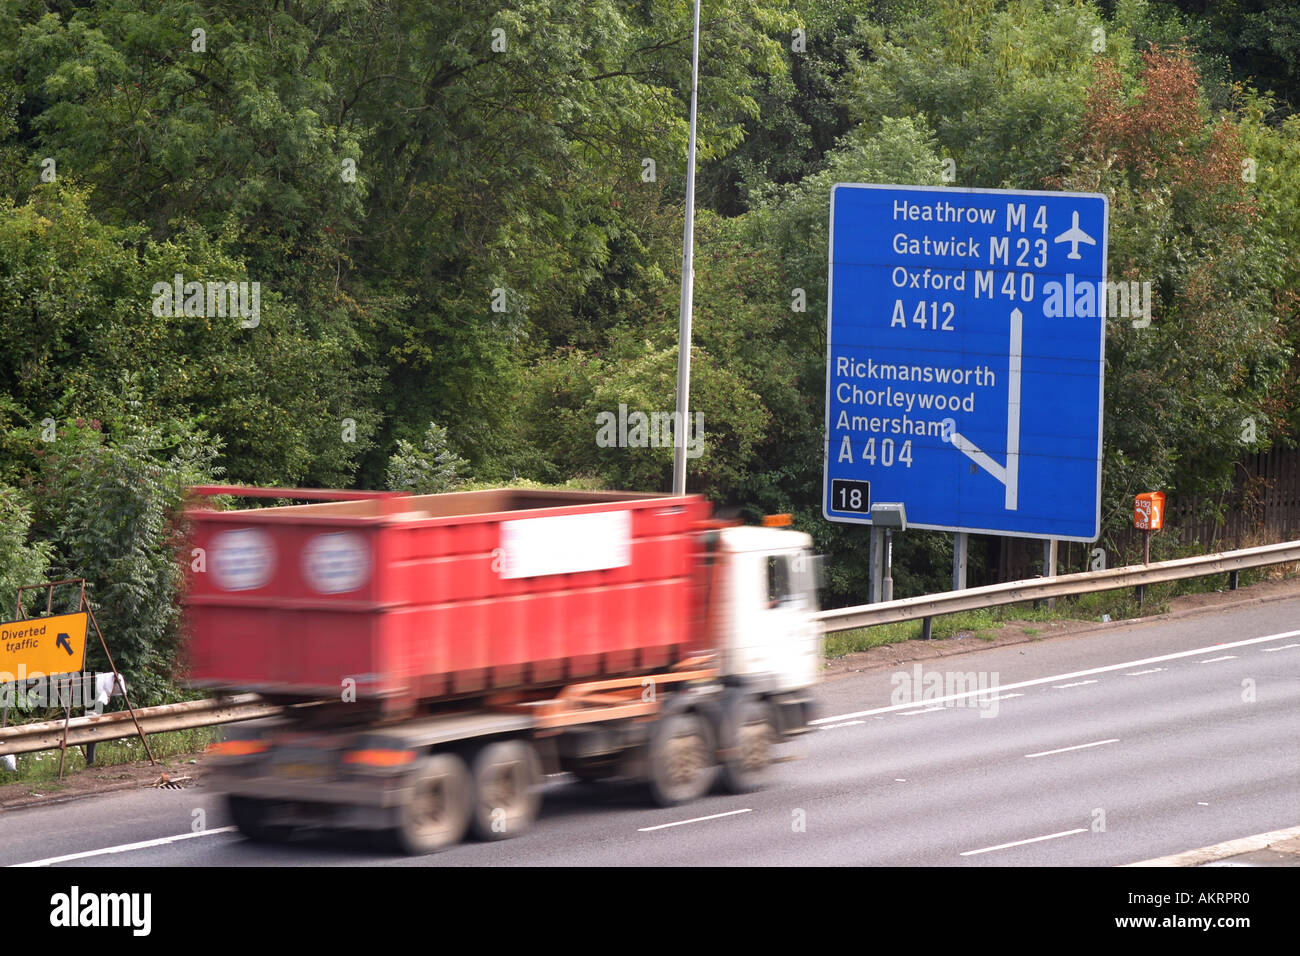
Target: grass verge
(42, 767)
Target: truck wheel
(682, 766)
(750, 734)
(507, 777)
(436, 812)
(250, 814)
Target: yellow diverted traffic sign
(43, 646)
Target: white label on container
(337, 562)
(242, 560)
(565, 544)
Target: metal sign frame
(83, 606)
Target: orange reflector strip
(380, 758)
(777, 521)
(237, 748)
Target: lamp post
(688, 285)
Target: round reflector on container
(337, 562)
(243, 559)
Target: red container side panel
(440, 595)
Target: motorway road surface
(1122, 744)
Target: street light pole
(688, 285)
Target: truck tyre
(507, 781)
(250, 814)
(437, 808)
(749, 732)
(682, 764)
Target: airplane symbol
(1074, 235)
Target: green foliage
(1001, 84)
(81, 311)
(22, 561)
(108, 503)
(1179, 392)
(448, 211)
(429, 469)
(1258, 40)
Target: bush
(109, 505)
(21, 562)
(430, 469)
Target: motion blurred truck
(438, 655)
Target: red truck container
(440, 652)
(414, 598)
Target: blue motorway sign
(965, 349)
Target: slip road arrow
(1008, 474)
(64, 642)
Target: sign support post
(1049, 567)
(959, 561)
(875, 563)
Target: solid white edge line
(1047, 680)
(1003, 846)
(126, 847)
(1219, 851)
(1095, 743)
(682, 823)
(1215, 660)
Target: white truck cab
(769, 631)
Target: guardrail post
(1232, 580)
(925, 628)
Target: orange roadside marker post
(1149, 515)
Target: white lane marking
(126, 847)
(900, 780)
(990, 700)
(1226, 657)
(1149, 670)
(682, 823)
(1270, 650)
(847, 723)
(913, 713)
(1078, 683)
(1003, 846)
(1058, 677)
(1095, 743)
